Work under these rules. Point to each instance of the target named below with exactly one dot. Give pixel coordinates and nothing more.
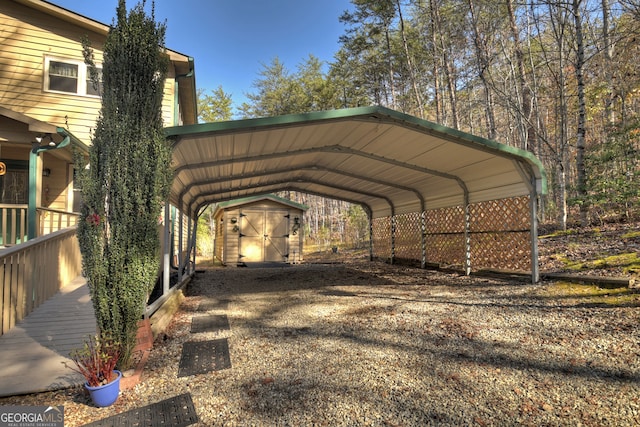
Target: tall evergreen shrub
(128, 176)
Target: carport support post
(180, 248)
(393, 238)
(192, 246)
(423, 237)
(533, 204)
(167, 251)
(370, 215)
(467, 237)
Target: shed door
(263, 236)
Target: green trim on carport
(374, 112)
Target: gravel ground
(367, 344)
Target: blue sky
(231, 39)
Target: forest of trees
(557, 78)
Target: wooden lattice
(500, 215)
(382, 237)
(504, 251)
(499, 235)
(408, 244)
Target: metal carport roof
(390, 163)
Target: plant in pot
(96, 360)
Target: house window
(68, 76)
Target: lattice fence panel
(500, 215)
(382, 237)
(408, 242)
(500, 234)
(502, 250)
(445, 220)
(445, 236)
(446, 249)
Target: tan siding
(27, 37)
(231, 240)
(54, 186)
(168, 102)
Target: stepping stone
(201, 357)
(210, 323)
(177, 411)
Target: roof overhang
(386, 161)
(21, 130)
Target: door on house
(264, 235)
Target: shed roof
(252, 199)
(389, 162)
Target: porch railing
(34, 271)
(13, 224)
(51, 220)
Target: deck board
(33, 351)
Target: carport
(433, 194)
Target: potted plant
(96, 360)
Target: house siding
(28, 36)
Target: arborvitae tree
(128, 176)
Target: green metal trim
(250, 199)
(176, 97)
(67, 139)
(366, 113)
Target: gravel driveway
(362, 344)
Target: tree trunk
(436, 72)
(412, 73)
(608, 55)
(581, 131)
(482, 59)
(392, 84)
(529, 132)
(448, 68)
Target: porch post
(34, 190)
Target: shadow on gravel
(438, 288)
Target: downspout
(36, 149)
(176, 100)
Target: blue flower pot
(105, 395)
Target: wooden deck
(32, 352)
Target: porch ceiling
(389, 162)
